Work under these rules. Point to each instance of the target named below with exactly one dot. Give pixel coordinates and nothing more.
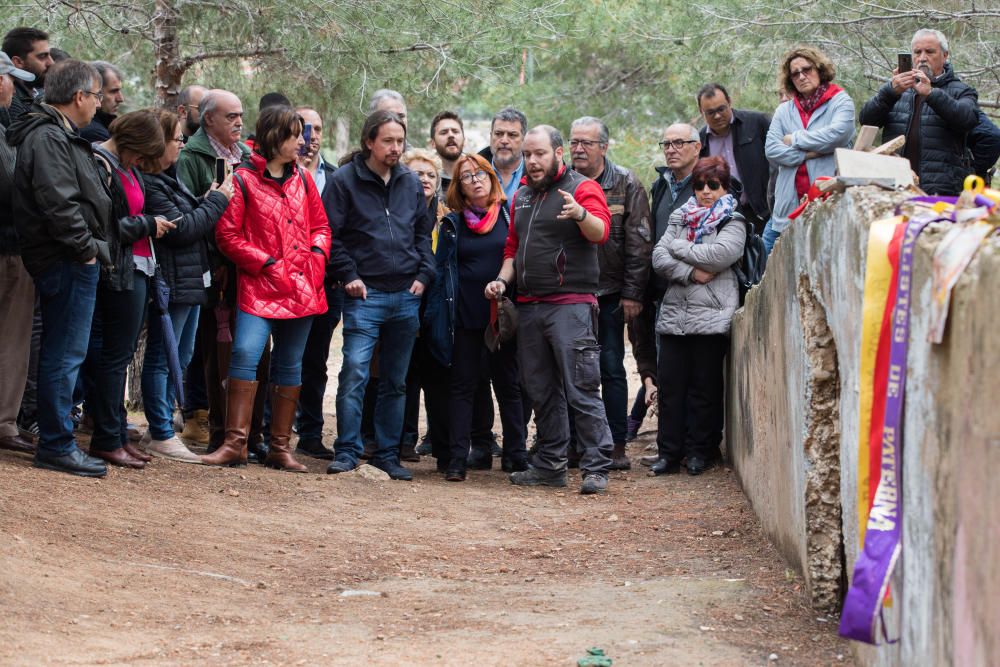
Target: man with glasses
(681, 146)
(738, 136)
(504, 152)
(221, 114)
(62, 210)
(187, 109)
(624, 268)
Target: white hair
(930, 32)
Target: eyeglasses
(805, 71)
(712, 185)
(587, 144)
(676, 144)
(717, 111)
(468, 176)
(99, 96)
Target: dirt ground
(188, 565)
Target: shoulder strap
(243, 186)
(302, 175)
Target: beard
(450, 151)
(547, 179)
(191, 126)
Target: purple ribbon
(883, 543)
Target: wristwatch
(506, 285)
(582, 217)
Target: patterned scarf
(701, 221)
(807, 104)
(480, 220)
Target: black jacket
(984, 144)
(61, 204)
(625, 256)
(182, 253)
(381, 232)
(947, 115)
(98, 130)
(20, 104)
(749, 130)
(123, 229)
(660, 194)
(8, 235)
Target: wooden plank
(866, 137)
(890, 147)
(856, 164)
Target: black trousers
(691, 396)
(472, 363)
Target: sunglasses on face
(712, 185)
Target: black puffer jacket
(947, 115)
(183, 253)
(61, 205)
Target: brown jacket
(625, 258)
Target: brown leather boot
(239, 406)
(619, 461)
(283, 402)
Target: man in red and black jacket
(557, 221)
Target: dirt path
(189, 565)
(181, 564)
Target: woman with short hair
(703, 239)
(805, 131)
(276, 232)
(123, 290)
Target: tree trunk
(133, 382)
(166, 49)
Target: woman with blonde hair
(805, 130)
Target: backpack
(749, 268)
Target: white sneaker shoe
(172, 449)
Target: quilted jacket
(183, 253)
(280, 221)
(948, 114)
(690, 308)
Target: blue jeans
(614, 381)
(252, 333)
(122, 314)
(314, 358)
(395, 317)
(770, 236)
(67, 293)
(158, 396)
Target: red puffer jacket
(283, 222)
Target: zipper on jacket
(527, 236)
(392, 237)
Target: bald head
(222, 116)
(681, 147)
(551, 134)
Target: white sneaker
(172, 449)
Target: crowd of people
(515, 272)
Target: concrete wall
(792, 431)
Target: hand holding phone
(221, 170)
(307, 130)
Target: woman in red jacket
(276, 232)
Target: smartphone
(307, 133)
(221, 168)
(905, 62)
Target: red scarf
(481, 221)
(807, 107)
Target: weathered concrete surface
(792, 431)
